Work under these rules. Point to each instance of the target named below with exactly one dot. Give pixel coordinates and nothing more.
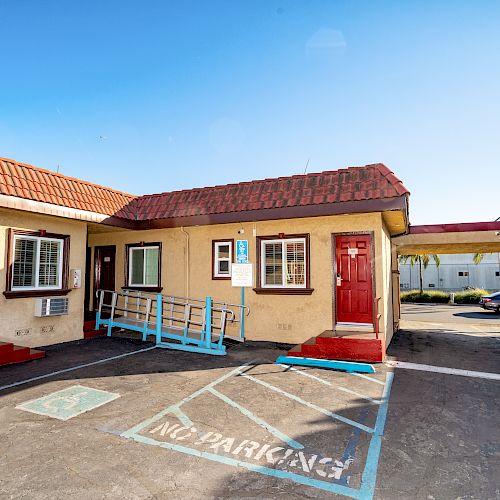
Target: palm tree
(478, 257)
(423, 261)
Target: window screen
(284, 263)
(144, 266)
(37, 263)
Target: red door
(354, 297)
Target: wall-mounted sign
(241, 251)
(242, 275)
(352, 252)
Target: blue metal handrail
(194, 332)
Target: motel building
(307, 260)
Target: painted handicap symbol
(69, 402)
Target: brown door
(104, 267)
(354, 293)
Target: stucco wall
(387, 298)
(283, 318)
(18, 314)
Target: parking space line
(310, 405)
(369, 476)
(350, 450)
(72, 368)
(323, 381)
(184, 419)
(262, 423)
(171, 409)
(366, 377)
(443, 369)
(357, 394)
(277, 473)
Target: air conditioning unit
(51, 306)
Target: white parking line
(443, 369)
(310, 405)
(72, 368)
(366, 377)
(340, 388)
(259, 421)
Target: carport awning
(473, 237)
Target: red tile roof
(351, 185)
(372, 182)
(26, 181)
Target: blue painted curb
(332, 364)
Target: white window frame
(143, 248)
(38, 239)
(217, 259)
(283, 241)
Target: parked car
(491, 301)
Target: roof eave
(338, 208)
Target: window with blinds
(36, 263)
(283, 263)
(144, 266)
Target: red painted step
(348, 349)
(89, 325)
(89, 331)
(11, 353)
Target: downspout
(186, 260)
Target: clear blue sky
(150, 96)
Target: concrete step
(6, 348)
(370, 350)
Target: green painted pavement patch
(69, 402)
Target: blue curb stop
(331, 364)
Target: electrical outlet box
(76, 278)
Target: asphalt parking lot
(463, 316)
(166, 424)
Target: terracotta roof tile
(351, 184)
(26, 181)
(370, 182)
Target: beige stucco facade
(187, 271)
(17, 321)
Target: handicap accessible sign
(241, 251)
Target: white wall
(446, 277)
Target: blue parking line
(331, 414)
(352, 444)
(297, 478)
(259, 421)
(369, 477)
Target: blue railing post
(208, 321)
(242, 312)
(159, 316)
(99, 298)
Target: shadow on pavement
(81, 352)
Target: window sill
(22, 294)
(284, 291)
(226, 278)
(151, 289)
